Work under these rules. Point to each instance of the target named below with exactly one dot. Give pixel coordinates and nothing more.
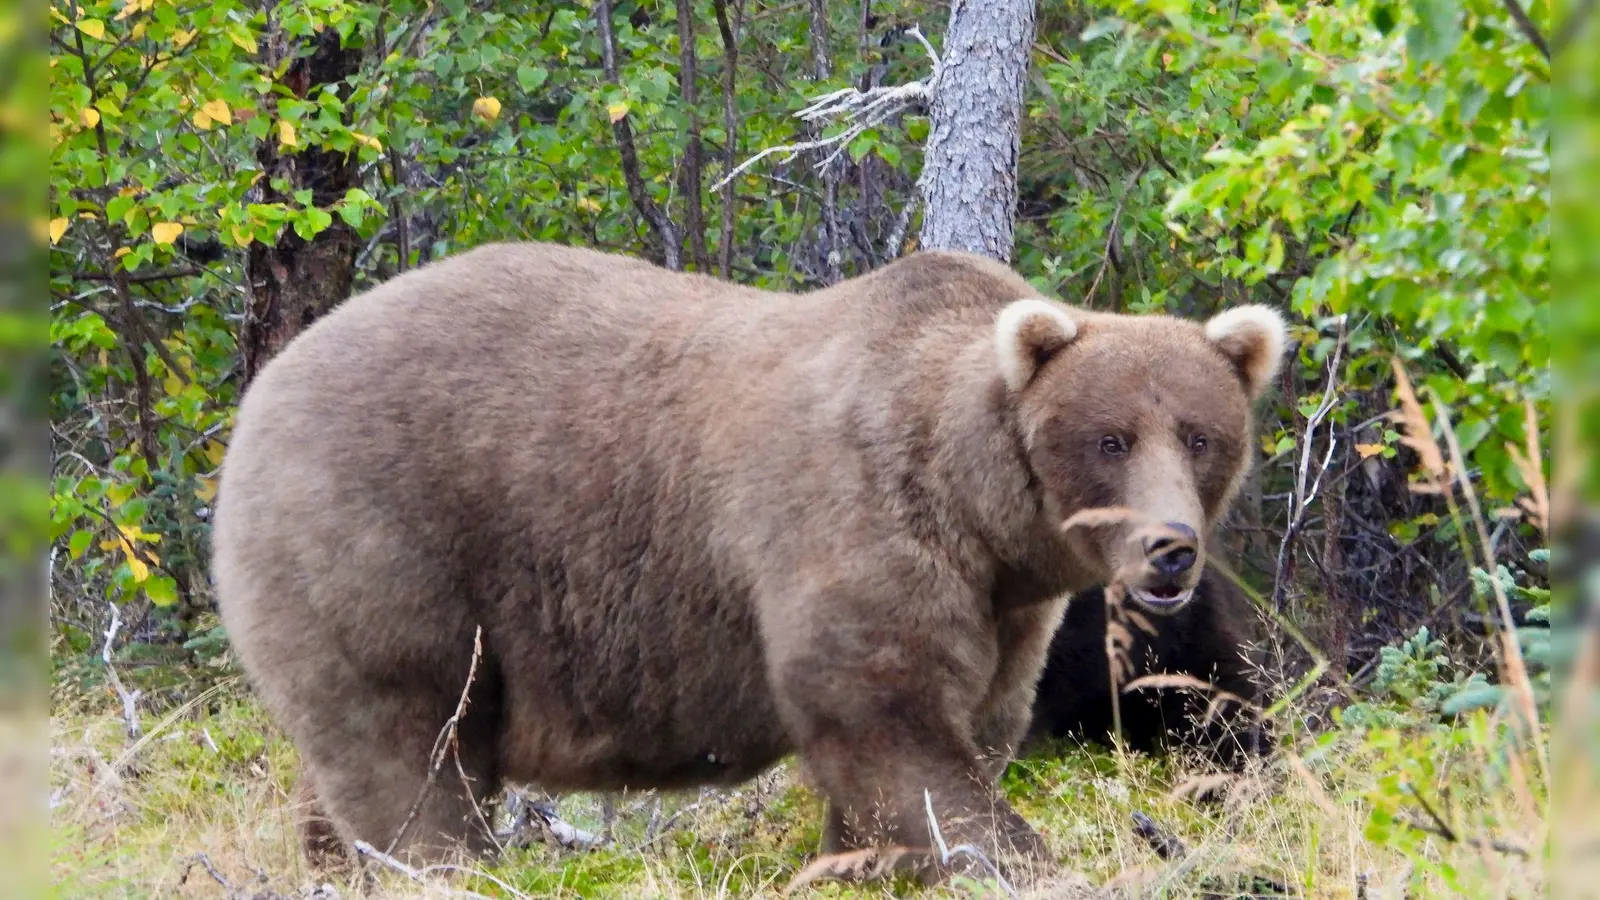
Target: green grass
(213, 777)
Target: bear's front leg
(882, 712)
(1023, 637)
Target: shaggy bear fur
(697, 527)
(1205, 640)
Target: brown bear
(700, 527)
(1205, 640)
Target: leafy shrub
(1412, 685)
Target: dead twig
(130, 712)
(947, 853)
(423, 874)
(204, 862)
(860, 110)
(448, 743)
(528, 814)
(1305, 486)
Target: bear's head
(1148, 418)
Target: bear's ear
(1253, 338)
(1027, 333)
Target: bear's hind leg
(374, 774)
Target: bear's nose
(1172, 553)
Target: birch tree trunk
(969, 169)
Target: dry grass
(131, 819)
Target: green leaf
(1471, 433)
(1437, 32)
(1383, 18)
(79, 542)
(530, 77)
(1478, 697)
(118, 207)
(161, 589)
(1103, 27)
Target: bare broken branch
(130, 712)
(448, 743)
(859, 110)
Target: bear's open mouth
(1164, 598)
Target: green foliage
(1543, 649)
(1375, 161)
(1412, 685)
(1384, 162)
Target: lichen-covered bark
(969, 174)
(294, 281)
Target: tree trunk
(295, 281)
(969, 173)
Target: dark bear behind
(1204, 639)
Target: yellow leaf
(172, 385)
(218, 110)
(586, 203)
(486, 108)
(126, 536)
(244, 40)
(122, 251)
(1367, 450)
(367, 141)
(616, 111)
(207, 490)
(128, 9)
(214, 451)
(242, 237)
(201, 120)
(286, 134)
(138, 32)
(181, 39)
(58, 227)
(166, 232)
(89, 116)
(92, 27)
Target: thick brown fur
(1206, 640)
(701, 527)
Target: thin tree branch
(1526, 26)
(861, 109)
(730, 123)
(130, 711)
(665, 232)
(130, 278)
(822, 70)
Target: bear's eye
(1111, 445)
(1197, 444)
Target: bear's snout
(1170, 558)
(1172, 553)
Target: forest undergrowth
(201, 806)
